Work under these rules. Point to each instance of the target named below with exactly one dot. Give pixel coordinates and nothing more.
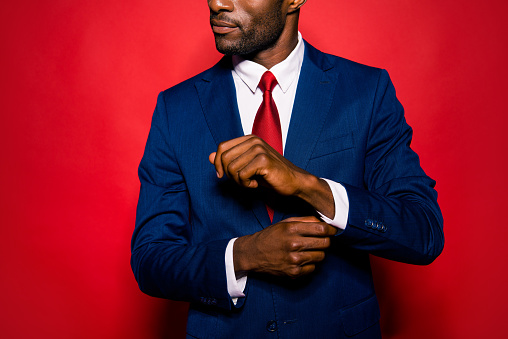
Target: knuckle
(263, 158)
(242, 175)
(223, 157)
(257, 140)
(292, 228)
(225, 154)
(294, 271)
(294, 245)
(294, 259)
(221, 147)
(321, 228)
(231, 168)
(257, 147)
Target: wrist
(241, 260)
(308, 187)
(316, 192)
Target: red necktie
(267, 123)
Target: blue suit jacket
(348, 126)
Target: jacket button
(271, 326)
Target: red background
(79, 83)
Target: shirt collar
(285, 72)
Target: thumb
(211, 157)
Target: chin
(226, 48)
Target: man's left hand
(251, 162)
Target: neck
(282, 48)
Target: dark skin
(293, 246)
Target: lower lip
(223, 29)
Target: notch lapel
(217, 95)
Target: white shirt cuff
(341, 205)
(235, 286)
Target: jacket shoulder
(352, 70)
(356, 72)
(188, 86)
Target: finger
(311, 243)
(309, 218)
(307, 269)
(211, 157)
(330, 230)
(311, 229)
(227, 147)
(311, 257)
(303, 258)
(218, 164)
(246, 165)
(303, 244)
(254, 164)
(307, 266)
(298, 271)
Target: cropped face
(244, 27)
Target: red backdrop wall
(79, 83)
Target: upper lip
(220, 23)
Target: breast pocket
(333, 145)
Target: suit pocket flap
(333, 145)
(360, 316)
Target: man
(228, 223)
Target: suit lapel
(314, 96)
(217, 95)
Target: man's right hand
(290, 248)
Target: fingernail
(217, 174)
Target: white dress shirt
(246, 76)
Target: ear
(295, 5)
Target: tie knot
(267, 82)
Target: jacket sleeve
(396, 214)
(164, 259)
